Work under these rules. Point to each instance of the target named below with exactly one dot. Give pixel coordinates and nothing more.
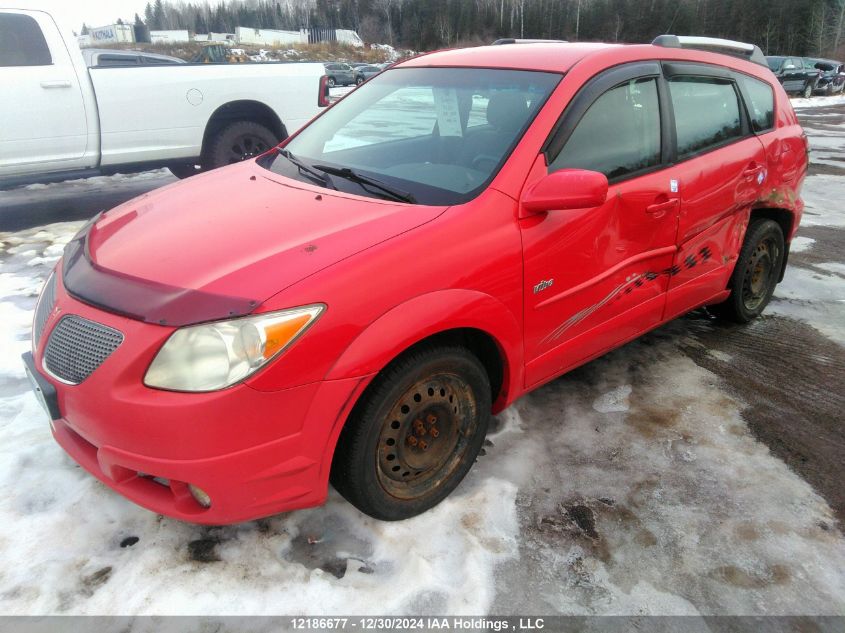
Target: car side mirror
(566, 189)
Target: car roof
(555, 57)
(560, 57)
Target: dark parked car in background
(832, 75)
(339, 74)
(362, 73)
(794, 74)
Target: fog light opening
(200, 496)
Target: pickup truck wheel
(238, 141)
(415, 435)
(808, 91)
(756, 274)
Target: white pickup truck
(59, 119)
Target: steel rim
(759, 274)
(425, 436)
(246, 146)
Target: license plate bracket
(44, 391)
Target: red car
(466, 226)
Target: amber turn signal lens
(281, 333)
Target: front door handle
(659, 209)
(56, 83)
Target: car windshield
(437, 135)
(774, 62)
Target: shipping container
(169, 37)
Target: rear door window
(21, 42)
(619, 134)
(707, 113)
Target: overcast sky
(72, 13)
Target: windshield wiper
(307, 170)
(366, 181)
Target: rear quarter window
(760, 102)
(21, 42)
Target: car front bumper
(254, 452)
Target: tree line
(794, 27)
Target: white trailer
(351, 38)
(224, 38)
(169, 37)
(112, 34)
(268, 37)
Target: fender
(426, 315)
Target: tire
(331, 82)
(415, 434)
(184, 171)
(808, 91)
(236, 142)
(359, 81)
(756, 274)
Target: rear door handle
(659, 209)
(56, 83)
(753, 173)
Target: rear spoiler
(743, 50)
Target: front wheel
(756, 274)
(808, 91)
(331, 82)
(359, 81)
(415, 434)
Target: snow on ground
(98, 181)
(818, 102)
(815, 297)
(630, 486)
(823, 196)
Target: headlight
(213, 356)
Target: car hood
(222, 243)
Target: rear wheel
(415, 435)
(359, 81)
(756, 274)
(808, 91)
(238, 141)
(331, 82)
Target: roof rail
(714, 45)
(513, 40)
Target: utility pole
(577, 19)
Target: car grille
(44, 307)
(76, 348)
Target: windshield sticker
(448, 114)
